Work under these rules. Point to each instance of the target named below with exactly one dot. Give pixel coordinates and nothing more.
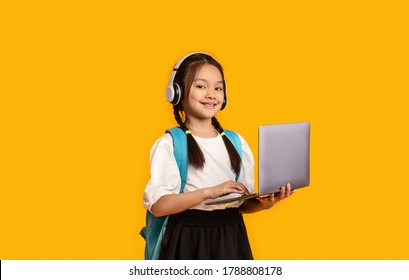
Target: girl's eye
(200, 86)
(219, 89)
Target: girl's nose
(211, 93)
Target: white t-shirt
(165, 178)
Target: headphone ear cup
(170, 94)
(178, 94)
(174, 94)
(224, 104)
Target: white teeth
(209, 105)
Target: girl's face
(206, 94)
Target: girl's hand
(227, 188)
(268, 202)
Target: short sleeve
(164, 173)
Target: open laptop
(283, 157)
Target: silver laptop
(283, 157)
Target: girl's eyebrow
(204, 80)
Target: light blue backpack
(155, 227)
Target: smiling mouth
(209, 105)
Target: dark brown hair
(185, 75)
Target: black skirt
(206, 235)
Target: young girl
(196, 230)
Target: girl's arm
(259, 203)
(174, 203)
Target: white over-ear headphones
(174, 92)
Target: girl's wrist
(207, 193)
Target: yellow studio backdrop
(82, 101)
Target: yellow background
(82, 101)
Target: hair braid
(195, 154)
(178, 118)
(235, 160)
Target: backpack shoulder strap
(234, 138)
(180, 152)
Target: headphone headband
(180, 61)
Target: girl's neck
(201, 129)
